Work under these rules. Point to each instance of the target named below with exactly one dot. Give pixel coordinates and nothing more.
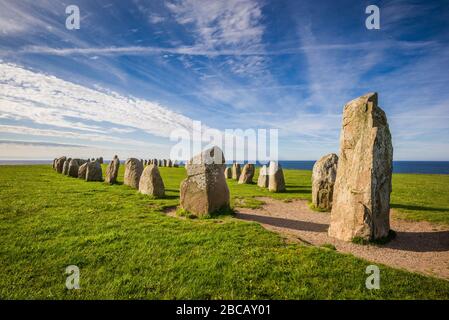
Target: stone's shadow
(284, 223)
(436, 241)
(173, 190)
(417, 208)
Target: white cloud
(47, 100)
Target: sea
(427, 167)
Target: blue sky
(137, 70)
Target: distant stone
(228, 173)
(246, 177)
(133, 171)
(151, 182)
(112, 171)
(100, 160)
(323, 180)
(94, 172)
(236, 171)
(361, 201)
(262, 181)
(65, 168)
(60, 164)
(73, 168)
(82, 171)
(205, 191)
(276, 181)
(170, 163)
(54, 163)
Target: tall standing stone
(228, 173)
(361, 202)
(133, 171)
(262, 181)
(65, 168)
(151, 182)
(94, 171)
(60, 164)
(276, 181)
(112, 171)
(205, 190)
(323, 180)
(236, 171)
(246, 177)
(73, 168)
(82, 170)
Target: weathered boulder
(236, 171)
(54, 163)
(262, 181)
(60, 164)
(323, 180)
(112, 171)
(246, 177)
(73, 168)
(133, 171)
(205, 190)
(82, 171)
(276, 181)
(151, 182)
(228, 173)
(94, 172)
(361, 201)
(65, 167)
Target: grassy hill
(126, 247)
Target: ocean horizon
(422, 167)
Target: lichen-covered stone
(94, 171)
(236, 171)
(133, 171)
(323, 180)
(73, 168)
(276, 181)
(112, 171)
(82, 170)
(151, 182)
(205, 190)
(246, 177)
(361, 202)
(60, 164)
(262, 181)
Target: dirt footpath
(419, 246)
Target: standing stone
(65, 168)
(170, 163)
(323, 180)
(112, 171)
(228, 173)
(94, 172)
(155, 162)
(60, 164)
(100, 160)
(82, 170)
(262, 181)
(361, 202)
(54, 163)
(73, 168)
(159, 163)
(246, 177)
(151, 182)
(276, 181)
(236, 171)
(205, 190)
(133, 171)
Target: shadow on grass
(417, 208)
(284, 223)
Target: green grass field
(127, 248)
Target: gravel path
(419, 246)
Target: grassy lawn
(127, 248)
